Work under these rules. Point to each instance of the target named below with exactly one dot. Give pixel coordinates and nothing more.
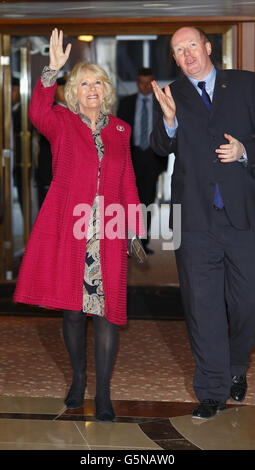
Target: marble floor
(45, 424)
(42, 423)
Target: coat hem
(46, 303)
(53, 305)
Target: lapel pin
(120, 128)
(223, 85)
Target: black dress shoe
(238, 388)
(208, 408)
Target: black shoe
(238, 388)
(208, 408)
(104, 409)
(75, 396)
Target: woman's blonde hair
(71, 86)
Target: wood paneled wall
(248, 46)
(243, 30)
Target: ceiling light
(86, 37)
(13, 15)
(154, 5)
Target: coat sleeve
(131, 201)
(41, 110)
(160, 142)
(249, 140)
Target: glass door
(15, 161)
(6, 240)
(25, 136)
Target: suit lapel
(220, 93)
(191, 96)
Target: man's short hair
(203, 35)
(145, 71)
(15, 81)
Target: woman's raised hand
(58, 57)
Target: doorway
(22, 60)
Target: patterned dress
(93, 294)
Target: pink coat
(52, 269)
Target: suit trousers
(147, 169)
(216, 272)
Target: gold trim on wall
(6, 239)
(115, 26)
(248, 41)
(25, 139)
(1, 171)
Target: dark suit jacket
(199, 133)
(147, 165)
(126, 111)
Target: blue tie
(205, 96)
(218, 201)
(144, 125)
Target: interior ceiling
(124, 8)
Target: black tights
(74, 337)
(106, 340)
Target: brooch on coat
(120, 128)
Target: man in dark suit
(16, 119)
(207, 118)
(137, 110)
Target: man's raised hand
(166, 102)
